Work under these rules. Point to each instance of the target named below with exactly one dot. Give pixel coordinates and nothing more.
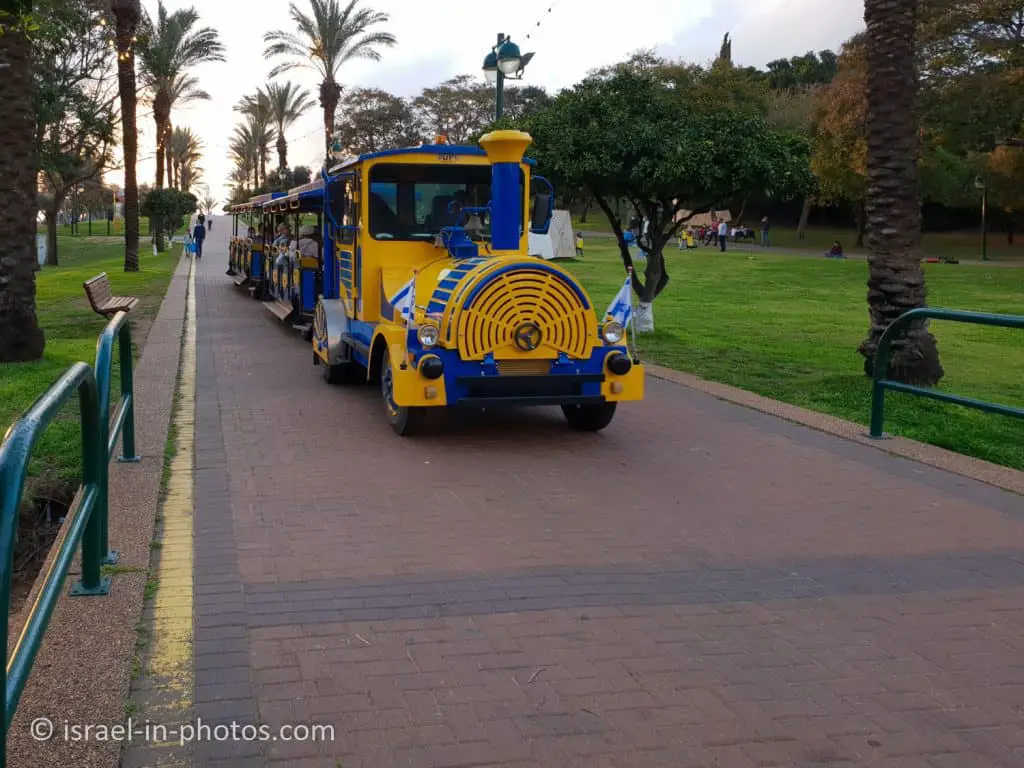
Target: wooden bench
(103, 303)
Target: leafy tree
(800, 72)
(166, 210)
(458, 108)
(324, 41)
(21, 338)
(896, 281)
(370, 120)
(634, 134)
(74, 101)
(972, 70)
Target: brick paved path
(700, 585)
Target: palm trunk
(169, 156)
(126, 15)
(160, 148)
(282, 150)
(893, 202)
(330, 95)
(21, 338)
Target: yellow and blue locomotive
(428, 289)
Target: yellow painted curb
(171, 658)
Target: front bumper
(481, 384)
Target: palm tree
(258, 109)
(208, 203)
(893, 200)
(244, 150)
(323, 42)
(288, 102)
(185, 151)
(127, 16)
(21, 338)
(170, 49)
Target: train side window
(343, 209)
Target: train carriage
(430, 290)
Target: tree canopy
(633, 133)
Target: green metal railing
(895, 329)
(86, 523)
(124, 419)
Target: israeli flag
(621, 308)
(403, 300)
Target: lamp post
(979, 184)
(504, 62)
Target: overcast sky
(443, 38)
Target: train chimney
(505, 151)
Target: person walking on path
(198, 235)
(723, 234)
(764, 232)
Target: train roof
(294, 198)
(423, 149)
(255, 203)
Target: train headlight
(613, 332)
(428, 335)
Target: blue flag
(621, 309)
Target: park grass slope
(788, 328)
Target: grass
(965, 246)
(72, 329)
(788, 327)
(99, 228)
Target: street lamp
(981, 185)
(505, 61)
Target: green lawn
(99, 228)
(965, 246)
(788, 327)
(72, 329)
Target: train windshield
(411, 202)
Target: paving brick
(493, 595)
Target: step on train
(409, 268)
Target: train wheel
(340, 373)
(589, 418)
(404, 420)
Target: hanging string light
(541, 19)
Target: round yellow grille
(521, 297)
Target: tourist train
(410, 268)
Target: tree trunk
(893, 201)
(282, 150)
(168, 154)
(743, 210)
(21, 338)
(330, 94)
(805, 215)
(586, 210)
(126, 15)
(860, 219)
(51, 215)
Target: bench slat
(100, 297)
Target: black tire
(404, 420)
(589, 418)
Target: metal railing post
(128, 453)
(94, 472)
(880, 364)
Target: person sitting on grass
(836, 251)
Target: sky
(444, 38)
